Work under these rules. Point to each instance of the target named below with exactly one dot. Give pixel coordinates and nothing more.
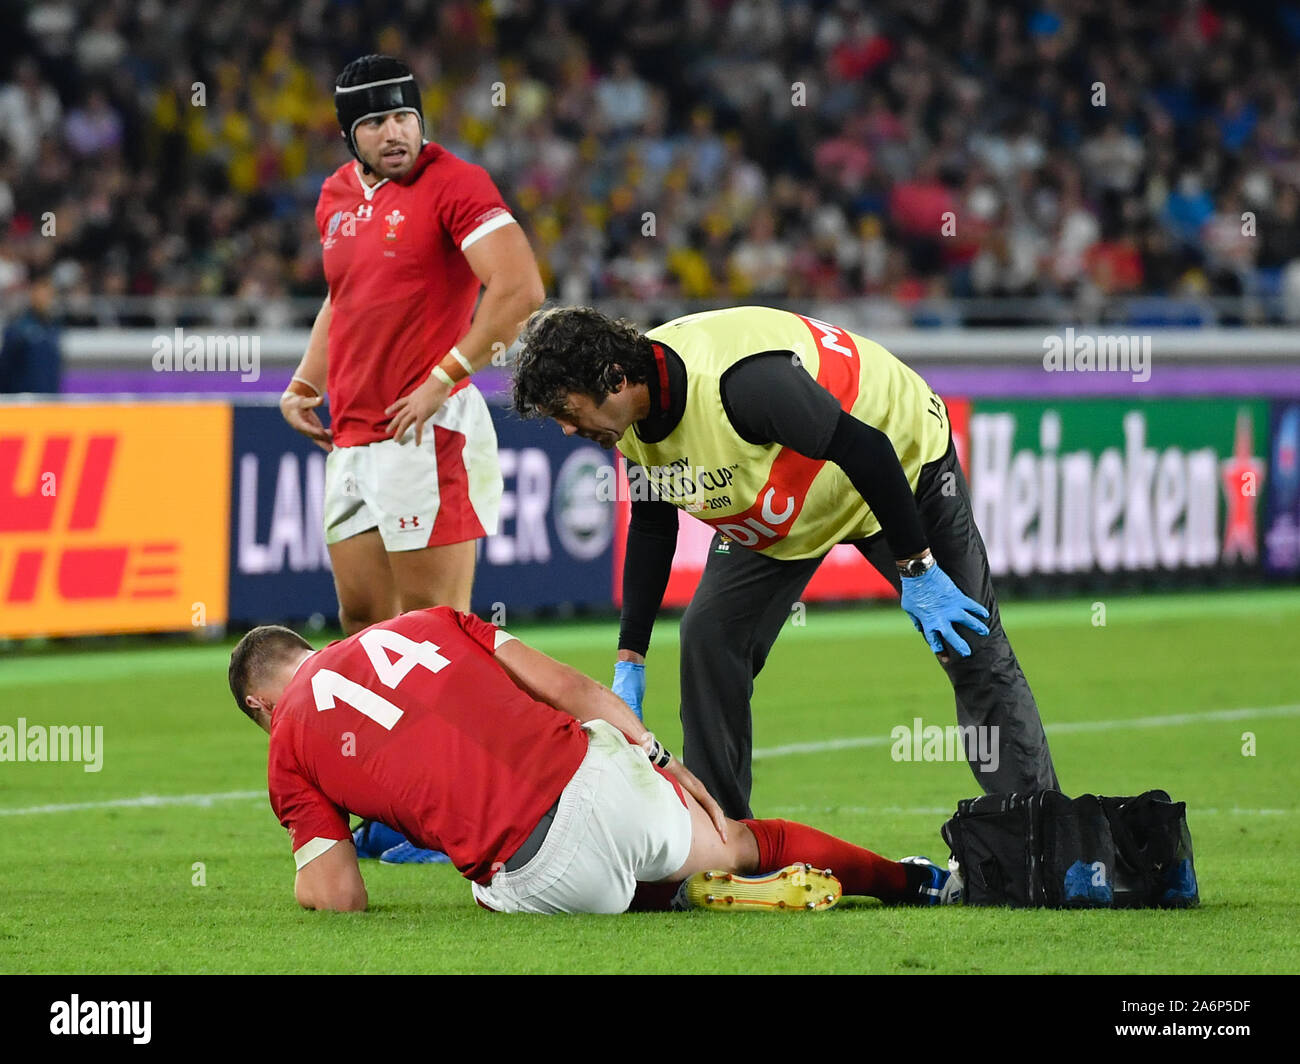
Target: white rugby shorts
(447, 490)
(619, 822)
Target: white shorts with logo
(619, 822)
(447, 490)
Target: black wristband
(655, 750)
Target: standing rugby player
(410, 234)
(788, 435)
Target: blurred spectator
(1076, 232)
(760, 264)
(6, 188)
(1230, 250)
(703, 150)
(1115, 266)
(1291, 291)
(622, 97)
(1237, 119)
(93, 128)
(920, 206)
(1188, 207)
(1113, 159)
(100, 45)
(30, 352)
(29, 111)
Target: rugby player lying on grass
(540, 784)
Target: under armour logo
(415, 522)
(365, 210)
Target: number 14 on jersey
(329, 687)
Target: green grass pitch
(1160, 696)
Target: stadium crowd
(733, 150)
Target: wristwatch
(916, 566)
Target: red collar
(429, 152)
(662, 364)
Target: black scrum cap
(374, 85)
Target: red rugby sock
(652, 897)
(783, 842)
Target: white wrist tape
(655, 750)
(465, 362)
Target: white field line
(144, 801)
(1172, 720)
(148, 801)
(946, 811)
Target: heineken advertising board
(1106, 488)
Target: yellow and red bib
(764, 496)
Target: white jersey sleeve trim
(490, 226)
(502, 638)
(308, 852)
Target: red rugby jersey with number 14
(413, 722)
(401, 290)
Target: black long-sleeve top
(768, 398)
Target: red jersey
(412, 722)
(401, 290)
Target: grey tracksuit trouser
(744, 598)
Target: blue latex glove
(629, 684)
(935, 604)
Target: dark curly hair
(576, 349)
